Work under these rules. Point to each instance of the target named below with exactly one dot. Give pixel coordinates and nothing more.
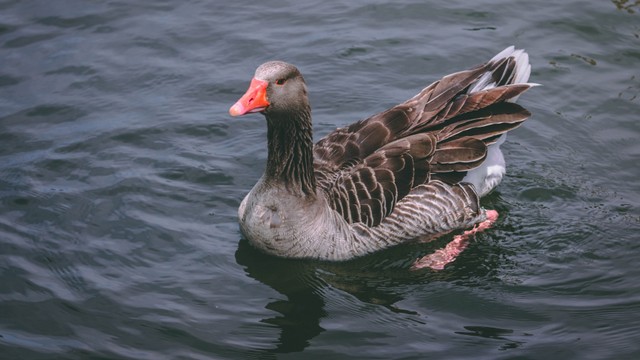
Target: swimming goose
(414, 171)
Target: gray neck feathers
(290, 158)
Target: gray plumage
(414, 171)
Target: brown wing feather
(367, 192)
(359, 140)
(365, 169)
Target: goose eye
(280, 81)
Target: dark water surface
(121, 173)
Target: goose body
(414, 171)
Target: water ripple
(121, 173)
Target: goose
(415, 171)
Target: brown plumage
(410, 171)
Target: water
(121, 173)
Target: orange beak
(254, 100)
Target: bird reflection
(300, 314)
(304, 283)
(378, 279)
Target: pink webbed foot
(441, 257)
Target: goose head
(277, 88)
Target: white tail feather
(488, 175)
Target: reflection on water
(374, 280)
(631, 6)
(121, 174)
(300, 314)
